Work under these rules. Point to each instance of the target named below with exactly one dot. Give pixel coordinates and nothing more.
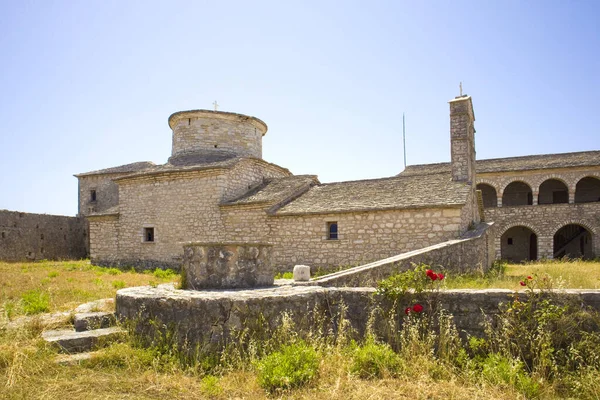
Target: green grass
(52, 286)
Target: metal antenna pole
(404, 139)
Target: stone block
(227, 265)
(301, 273)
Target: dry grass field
(126, 371)
(565, 274)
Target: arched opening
(573, 241)
(553, 191)
(517, 194)
(488, 193)
(587, 190)
(518, 244)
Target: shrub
(292, 366)
(374, 360)
(35, 301)
(284, 275)
(163, 273)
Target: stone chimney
(462, 139)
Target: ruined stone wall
(474, 252)
(210, 320)
(25, 236)
(545, 220)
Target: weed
(113, 271)
(209, 385)
(52, 274)
(35, 301)
(118, 284)
(374, 360)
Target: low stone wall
(210, 319)
(473, 252)
(29, 237)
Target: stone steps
(93, 320)
(69, 341)
(92, 330)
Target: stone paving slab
(69, 341)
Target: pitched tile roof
(524, 163)
(121, 169)
(276, 190)
(400, 192)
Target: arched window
(587, 190)
(488, 193)
(517, 194)
(553, 191)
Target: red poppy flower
(529, 277)
(407, 310)
(431, 274)
(440, 276)
(522, 283)
(417, 308)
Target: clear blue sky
(86, 85)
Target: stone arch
(583, 223)
(506, 182)
(553, 191)
(573, 240)
(488, 194)
(517, 193)
(587, 189)
(519, 243)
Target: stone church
(216, 188)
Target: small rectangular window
(93, 195)
(148, 234)
(510, 241)
(332, 230)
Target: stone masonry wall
(474, 252)
(104, 240)
(107, 193)
(202, 131)
(210, 319)
(28, 237)
(545, 220)
(362, 236)
(534, 179)
(181, 207)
